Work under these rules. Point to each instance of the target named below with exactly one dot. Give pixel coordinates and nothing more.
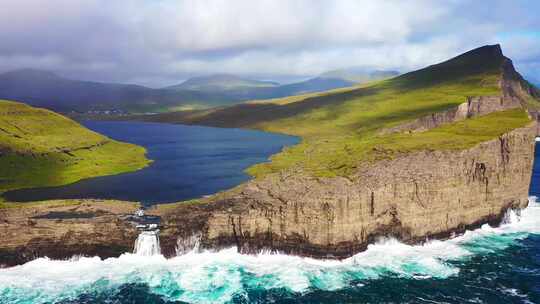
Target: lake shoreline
(188, 162)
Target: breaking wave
(224, 276)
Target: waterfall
(147, 244)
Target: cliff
(425, 155)
(413, 192)
(62, 229)
(413, 197)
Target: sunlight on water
(218, 276)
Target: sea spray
(511, 216)
(147, 243)
(188, 244)
(226, 275)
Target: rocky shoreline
(412, 196)
(416, 197)
(66, 228)
(430, 194)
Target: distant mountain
(221, 82)
(237, 88)
(49, 90)
(359, 75)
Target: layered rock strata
(62, 229)
(413, 197)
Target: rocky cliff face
(515, 91)
(62, 229)
(412, 197)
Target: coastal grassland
(337, 136)
(41, 148)
(341, 128)
(344, 129)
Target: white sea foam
(217, 276)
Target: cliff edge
(427, 154)
(427, 177)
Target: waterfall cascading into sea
(489, 264)
(147, 244)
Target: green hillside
(342, 128)
(41, 148)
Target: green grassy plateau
(41, 148)
(341, 128)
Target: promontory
(428, 154)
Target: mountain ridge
(459, 156)
(220, 82)
(48, 89)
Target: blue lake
(189, 162)
(487, 265)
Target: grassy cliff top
(41, 148)
(342, 128)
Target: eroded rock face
(412, 197)
(427, 194)
(60, 231)
(415, 196)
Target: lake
(189, 162)
(486, 265)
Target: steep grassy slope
(41, 148)
(341, 128)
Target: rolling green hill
(41, 148)
(241, 89)
(49, 90)
(344, 127)
(359, 75)
(221, 82)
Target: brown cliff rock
(412, 197)
(62, 229)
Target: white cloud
(164, 40)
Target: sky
(162, 42)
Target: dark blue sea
(487, 265)
(188, 162)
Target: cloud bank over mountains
(159, 42)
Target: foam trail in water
(217, 276)
(147, 244)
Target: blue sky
(164, 42)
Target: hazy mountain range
(49, 90)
